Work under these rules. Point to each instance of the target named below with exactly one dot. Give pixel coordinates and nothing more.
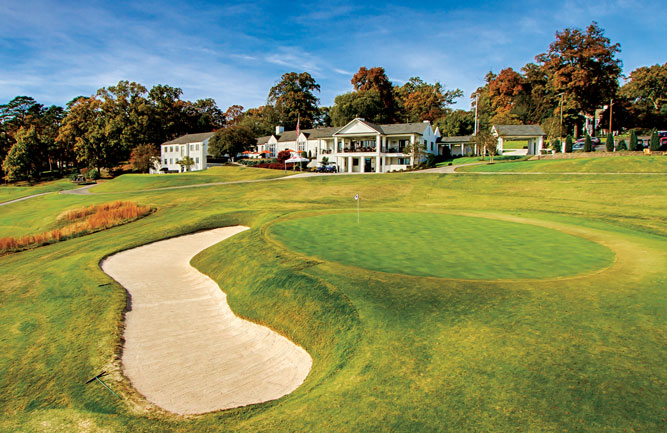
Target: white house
(359, 146)
(193, 145)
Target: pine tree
(655, 141)
(633, 141)
(588, 145)
(610, 143)
(568, 144)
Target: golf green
(441, 245)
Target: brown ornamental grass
(79, 222)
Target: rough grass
(138, 182)
(621, 164)
(391, 352)
(78, 222)
(12, 192)
(440, 245)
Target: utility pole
(475, 133)
(611, 111)
(560, 129)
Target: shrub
(93, 174)
(556, 146)
(654, 144)
(633, 141)
(609, 145)
(283, 155)
(621, 145)
(430, 160)
(588, 144)
(568, 144)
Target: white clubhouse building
(359, 146)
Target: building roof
(457, 139)
(190, 138)
(519, 130)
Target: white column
(362, 164)
(500, 146)
(378, 142)
(377, 165)
(540, 144)
(335, 145)
(349, 164)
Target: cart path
(184, 349)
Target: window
(165, 161)
(171, 161)
(197, 160)
(197, 147)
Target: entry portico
(533, 133)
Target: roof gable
(359, 126)
(191, 138)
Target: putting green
(442, 245)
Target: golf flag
(356, 197)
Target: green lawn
(619, 164)
(478, 159)
(391, 352)
(11, 192)
(139, 182)
(440, 245)
(515, 144)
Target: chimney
(280, 130)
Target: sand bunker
(184, 349)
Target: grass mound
(441, 245)
(78, 222)
(619, 164)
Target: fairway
(441, 245)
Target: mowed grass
(440, 245)
(515, 144)
(620, 164)
(11, 192)
(391, 352)
(478, 159)
(138, 182)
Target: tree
(416, 150)
(621, 145)
(294, 100)
(487, 142)
(568, 144)
(588, 144)
(233, 115)
(648, 83)
(556, 146)
(419, 101)
(19, 162)
(457, 123)
(634, 143)
(367, 105)
(375, 78)
(583, 66)
(204, 115)
(186, 162)
(231, 140)
(143, 157)
(84, 129)
(609, 144)
(654, 143)
(504, 89)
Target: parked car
(579, 144)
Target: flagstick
(358, 211)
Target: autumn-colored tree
(375, 78)
(283, 156)
(419, 101)
(233, 115)
(504, 89)
(294, 100)
(583, 66)
(84, 129)
(648, 83)
(143, 157)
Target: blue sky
(235, 51)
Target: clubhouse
(359, 146)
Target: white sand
(184, 349)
